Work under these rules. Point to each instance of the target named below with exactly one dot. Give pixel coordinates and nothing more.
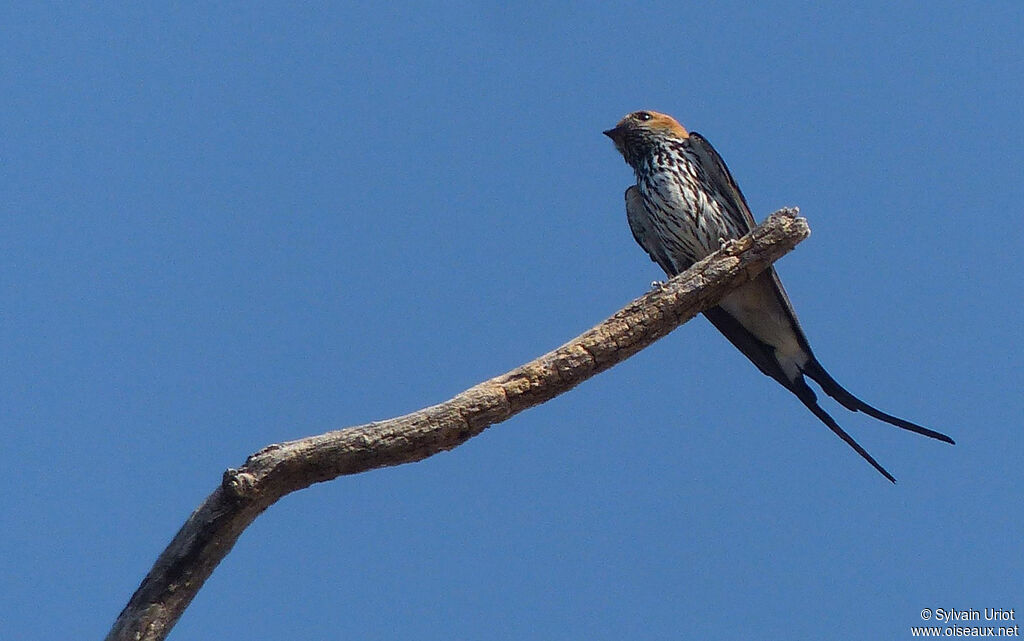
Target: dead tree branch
(266, 476)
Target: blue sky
(229, 226)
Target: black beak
(615, 134)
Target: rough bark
(276, 470)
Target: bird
(684, 206)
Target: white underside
(756, 307)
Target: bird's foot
(728, 244)
(658, 285)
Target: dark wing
(716, 171)
(740, 330)
(719, 175)
(764, 356)
(644, 232)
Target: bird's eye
(643, 116)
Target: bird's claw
(658, 284)
(727, 243)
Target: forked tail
(829, 385)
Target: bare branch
(211, 531)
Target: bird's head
(639, 132)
